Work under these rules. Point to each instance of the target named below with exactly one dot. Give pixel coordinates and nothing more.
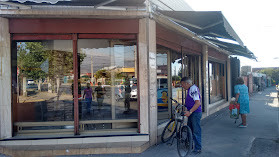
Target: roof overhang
(211, 25)
(235, 49)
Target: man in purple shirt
(194, 111)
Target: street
(222, 138)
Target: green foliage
(30, 57)
(273, 73)
(102, 74)
(176, 78)
(35, 61)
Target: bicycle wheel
(184, 141)
(168, 131)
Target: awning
(233, 48)
(204, 23)
(210, 25)
(95, 3)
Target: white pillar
(205, 78)
(200, 73)
(5, 81)
(153, 126)
(148, 78)
(143, 91)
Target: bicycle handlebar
(177, 103)
(174, 100)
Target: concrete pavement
(222, 138)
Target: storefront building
(130, 61)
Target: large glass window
(43, 86)
(108, 84)
(162, 86)
(43, 99)
(216, 81)
(176, 71)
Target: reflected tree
(37, 63)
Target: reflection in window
(176, 77)
(108, 84)
(217, 81)
(162, 86)
(43, 84)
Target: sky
(255, 22)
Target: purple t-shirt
(192, 95)
(88, 92)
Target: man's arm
(194, 108)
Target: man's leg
(88, 106)
(196, 129)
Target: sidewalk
(222, 138)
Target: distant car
(134, 92)
(30, 82)
(119, 92)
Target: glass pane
(217, 81)
(176, 77)
(44, 85)
(162, 86)
(108, 84)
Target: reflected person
(88, 97)
(100, 95)
(127, 96)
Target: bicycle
(183, 135)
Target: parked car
(119, 92)
(134, 92)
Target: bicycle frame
(179, 112)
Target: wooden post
(205, 79)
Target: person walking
(127, 96)
(194, 111)
(242, 97)
(87, 94)
(100, 95)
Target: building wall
(5, 80)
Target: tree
(102, 74)
(176, 78)
(33, 55)
(37, 62)
(30, 57)
(273, 73)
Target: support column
(5, 81)
(143, 92)
(75, 64)
(205, 78)
(148, 78)
(229, 79)
(153, 109)
(200, 73)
